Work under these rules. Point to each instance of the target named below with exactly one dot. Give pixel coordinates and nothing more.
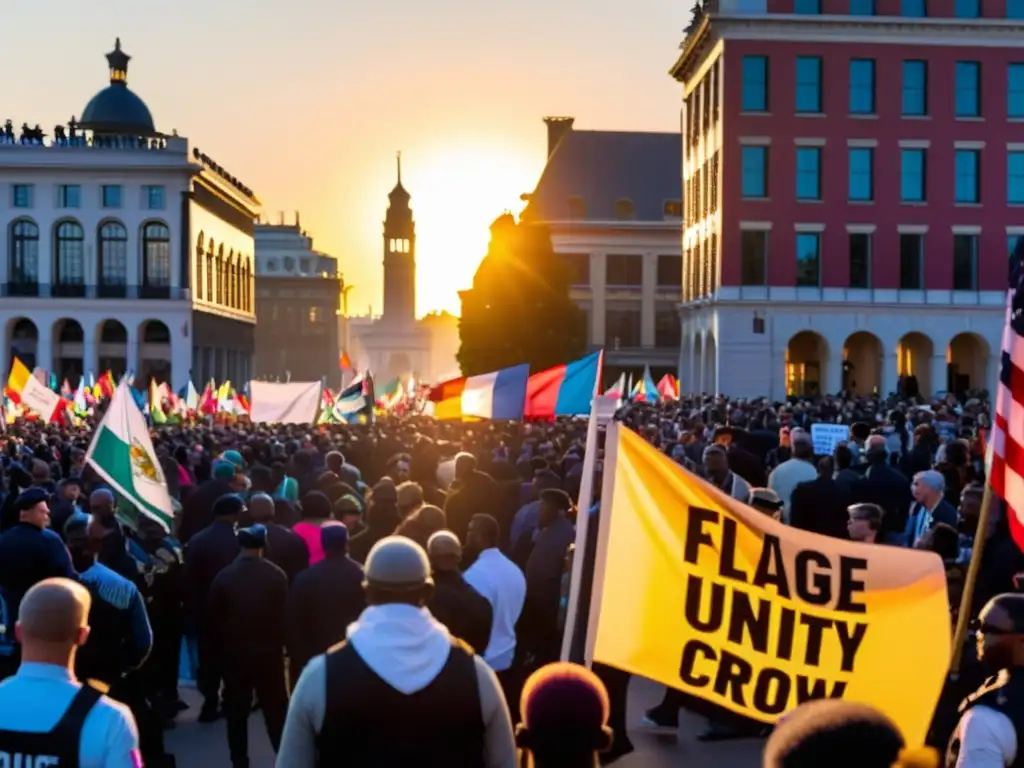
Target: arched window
(200, 268)
(232, 284)
(70, 256)
(221, 282)
(209, 272)
(113, 255)
(24, 264)
(156, 255)
(624, 210)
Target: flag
(692, 588)
(498, 395)
(344, 362)
(156, 406)
(351, 402)
(122, 454)
(1006, 438)
(32, 393)
(618, 389)
(565, 390)
(650, 388)
(668, 387)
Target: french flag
(497, 395)
(565, 390)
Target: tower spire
(398, 158)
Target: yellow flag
(712, 597)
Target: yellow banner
(712, 597)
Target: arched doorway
(711, 365)
(913, 364)
(697, 371)
(862, 364)
(806, 363)
(967, 363)
(23, 341)
(68, 350)
(113, 349)
(154, 353)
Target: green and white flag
(123, 455)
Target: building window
(1011, 244)
(755, 84)
(24, 264)
(1015, 178)
(754, 252)
(808, 84)
(667, 333)
(968, 89)
(624, 210)
(622, 327)
(69, 196)
(113, 254)
(860, 260)
(911, 262)
(578, 265)
(670, 270)
(1015, 9)
(808, 173)
(862, 188)
(967, 9)
(968, 182)
(21, 195)
(862, 86)
(623, 269)
(915, 88)
(111, 195)
(755, 172)
(808, 259)
(965, 262)
(912, 175)
(915, 9)
(1015, 89)
(70, 254)
(807, 6)
(153, 197)
(862, 7)
(156, 255)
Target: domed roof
(116, 109)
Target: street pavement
(196, 744)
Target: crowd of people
(409, 578)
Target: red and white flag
(1007, 434)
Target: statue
(26, 134)
(8, 132)
(58, 134)
(72, 128)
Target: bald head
(261, 508)
(54, 612)
(445, 551)
(101, 502)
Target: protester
(465, 612)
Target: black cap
(228, 504)
(253, 537)
(860, 430)
(29, 498)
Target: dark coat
(888, 488)
(475, 494)
(286, 550)
(323, 600)
(198, 510)
(27, 556)
(211, 551)
(819, 506)
(246, 609)
(467, 614)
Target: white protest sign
(827, 436)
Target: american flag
(1007, 474)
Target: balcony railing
(103, 291)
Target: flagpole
(967, 596)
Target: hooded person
(398, 665)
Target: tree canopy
(519, 310)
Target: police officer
(991, 728)
(46, 716)
(247, 613)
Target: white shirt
(499, 580)
(987, 739)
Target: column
(648, 283)
(181, 362)
(690, 378)
(133, 350)
(890, 373)
(597, 293)
(939, 373)
(134, 277)
(702, 363)
(833, 373)
(44, 346)
(45, 257)
(90, 359)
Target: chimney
(280, 218)
(296, 218)
(558, 129)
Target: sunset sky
(306, 101)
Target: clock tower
(399, 257)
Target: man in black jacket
(458, 606)
(323, 600)
(208, 553)
(246, 616)
(819, 506)
(285, 548)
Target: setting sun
(456, 196)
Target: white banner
(295, 402)
(38, 397)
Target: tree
(519, 310)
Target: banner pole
(967, 596)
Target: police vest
(1004, 693)
(57, 748)
(370, 724)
